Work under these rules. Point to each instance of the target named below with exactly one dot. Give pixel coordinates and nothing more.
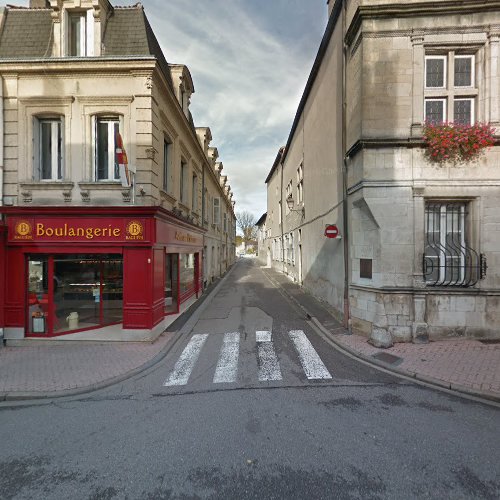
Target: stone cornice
(411, 9)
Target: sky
(250, 60)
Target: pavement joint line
(45, 397)
(481, 396)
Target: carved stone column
(417, 40)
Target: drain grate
(490, 341)
(388, 358)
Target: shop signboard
(27, 230)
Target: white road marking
(227, 366)
(309, 358)
(187, 360)
(269, 367)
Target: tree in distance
(246, 223)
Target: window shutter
(94, 147)
(37, 174)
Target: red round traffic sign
(331, 231)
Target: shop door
(171, 283)
(74, 292)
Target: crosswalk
(226, 370)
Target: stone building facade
(420, 240)
(75, 76)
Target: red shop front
(113, 270)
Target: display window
(187, 275)
(171, 283)
(68, 293)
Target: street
(253, 403)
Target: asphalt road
(234, 414)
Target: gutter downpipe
(345, 215)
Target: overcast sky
(249, 60)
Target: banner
(121, 159)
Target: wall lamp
(291, 203)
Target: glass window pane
(462, 111)
(46, 149)
(102, 150)
(463, 71)
(76, 40)
(434, 76)
(434, 111)
(59, 150)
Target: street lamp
(291, 203)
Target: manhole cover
(490, 341)
(388, 358)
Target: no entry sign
(331, 231)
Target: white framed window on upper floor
(167, 165)
(104, 137)
(194, 193)
(184, 182)
(450, 88)
(48, 149)
(80, 33)
(300, 184)
(225, 222)
(216, 211)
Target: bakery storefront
(117, 273)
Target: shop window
(187, 276)
(171, 289)
(80, 33)
(48, 149)
(74, 292)
(449, 259)
(106, 132)
(450, 90)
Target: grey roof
(128, 33)
(26, 33)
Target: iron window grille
(448, 258)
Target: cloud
(249, 62)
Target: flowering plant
(449, 142)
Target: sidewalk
(47, 371)
(463, 365)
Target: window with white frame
(450, 88)
(80, 33)
(300, 184)
(194, 193)
(167, 165)
(449, 259)
(106, 130)
(288, 194)
(216, 211)
(48, 148)
(184, 182)
(205, 205)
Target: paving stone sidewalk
(465, 365)
(42, 370)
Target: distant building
(114, 211)
(263, 250)
(418, 251)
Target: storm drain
(490, 341)
(388, 358)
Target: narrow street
(253, 403)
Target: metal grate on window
(463, 71)
(434, 76)
(448, 258)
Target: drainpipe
(345, 207)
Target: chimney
(39, 4)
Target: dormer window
(80, 31)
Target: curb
(460, 390)
(185, 329)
